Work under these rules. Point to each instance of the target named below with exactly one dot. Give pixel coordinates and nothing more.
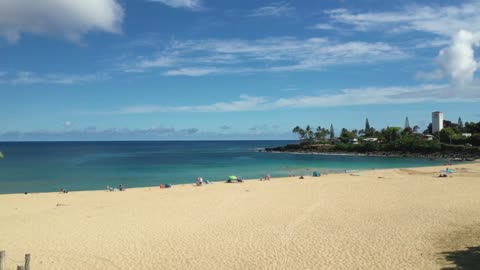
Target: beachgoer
(199, 181)
(108, 189)
(301, 177)
(120, 187)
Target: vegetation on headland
(455, 140)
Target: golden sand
(383, 219)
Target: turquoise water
(49, 166)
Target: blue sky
(208, 69)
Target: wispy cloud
(206, 57)
(225, 127)
(346, 97)
(438, 20)
(154, 133)
(324, 26)
(68, 19)
(30, 78)
(189, 4)
(92, 133)
(244, 103)
(276, 9)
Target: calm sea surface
(49, 166)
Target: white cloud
(439, 20)
(459, 23)
(190, 4)
(245, 103)
(67, 124)
(92, 133)
(431, 43)
(346, 97)
(274, 9)
(323, 26)
(457, 61)
(70, 19)
(193, 71)
(29, 78)
(206, 57)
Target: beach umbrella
(232, 177)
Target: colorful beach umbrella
(232, 177)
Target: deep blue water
(49, 166)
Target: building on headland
(437, 121)
(428, 137)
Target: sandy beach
(380, 219)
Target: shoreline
(452, 156)
(372, 154)
(214, 182)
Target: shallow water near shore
(49, 166)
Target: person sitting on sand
(121, 188)
(199, 181)
(239, 179)
(301, 177)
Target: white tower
(437, 121)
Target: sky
(215, 69)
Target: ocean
(50, 166)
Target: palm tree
(309, 133)
(300, 132)
(321, 133)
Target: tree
(332, 132)
(407, 123)
(300, 132)
(428, 130)
(460, 122)
(367, 125)
(321, 133)
(309, 134)
(407, 131)
(447, 134)
(472, 127)
(416, 128)
(347, 135)
(475, 139)
(391, 134)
